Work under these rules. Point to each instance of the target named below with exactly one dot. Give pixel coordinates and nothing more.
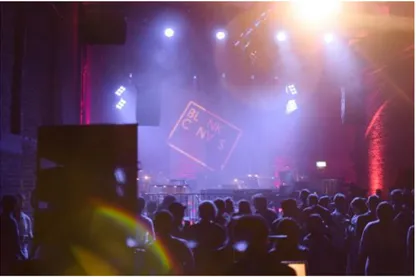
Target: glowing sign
(204, 137)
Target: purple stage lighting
(169, 32)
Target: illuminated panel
(204, 137)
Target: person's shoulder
(371, 226)
(25, 216)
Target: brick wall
(48, 94)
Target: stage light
(121, 103)
(146, 177)
(220, 35)
(291, 89)
(328, 38)
(169, 32)
(120, 91)
(195, 77)
(235, 180)
(249, 176)
(316, 11)
(320, 164)
(291, 106)
(281, 36)
(255, 175)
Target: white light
(235, 180)
(194, 77)
(281, 36)
(220, 35)
(291, 106)
(120, 91)
(321, 164)
(146, 177)
(169, 32)
(121, 103)
(291, 89)
(328, 38)
(316, 11)
(249, 175)
(257, 176)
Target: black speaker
(87, 161)
(102, 27)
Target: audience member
(369, 216)
(222, 217)
(287, 246)
(229, 206)
(24, 224)
(315, 208)
(303, 198)
(261, 207)
(10, 244)
(181, 258)
(151, 209)
(321, 253)
(340, 222)
(178, 212)
(379, 252)
(145, 233)
(251, 237)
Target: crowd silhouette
(331, 235)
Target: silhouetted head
(373, 202)
(229, 205)
(289, 228)
(315, 224)
(244, 207)
(340, 202)
(396, 197)
(358, 206)
(379, 193)
(141, 204)
(313, 199)
(8, 203)
(163, 223)
(169, 199)
(324, 201)
(303, 196)
(385, 212)
(207, 211)
(178, 211)
(253, 230)
(220, 204)
(289, 207)
(259, 202)
(20, 199)
(151, 207)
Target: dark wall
(48, 92)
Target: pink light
(374, 133)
